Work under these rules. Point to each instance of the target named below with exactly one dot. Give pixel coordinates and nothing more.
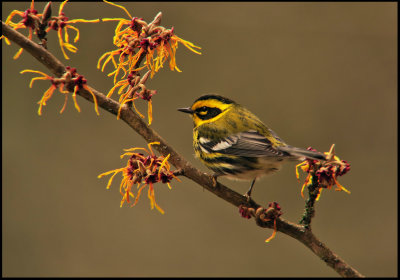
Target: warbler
(233, 142)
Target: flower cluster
(136, 41)
(70, 76)
(324, 174)
(136, 89)
(62, 22)
(144, 171)
(263, 216)
(40, 24)
(30, 19)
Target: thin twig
(206, 181)
(309, 212)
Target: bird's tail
(302, 153)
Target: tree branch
(298, 232)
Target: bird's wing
(248, 143)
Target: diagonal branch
(187, 169)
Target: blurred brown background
(316, 73)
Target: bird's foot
(214, 179)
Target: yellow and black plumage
(233, 142)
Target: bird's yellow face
(208, 109)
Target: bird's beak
(186, 110)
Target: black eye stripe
(202, 109)
(206, 113)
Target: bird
(234, 143)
